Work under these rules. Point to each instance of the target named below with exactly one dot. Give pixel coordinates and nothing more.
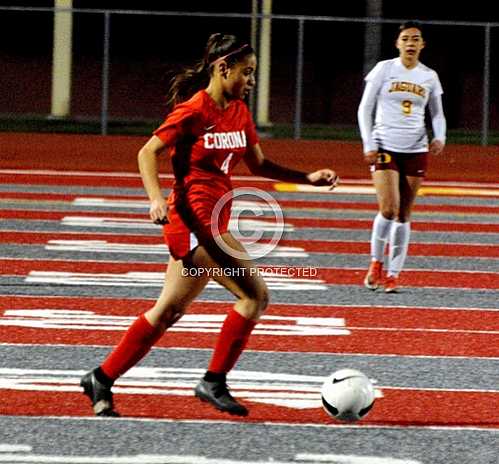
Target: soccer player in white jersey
(391, 119)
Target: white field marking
(277, 279)
(103, 246)
(352, 459)
(308, 326)
(111, 202)
(11, 457)
(455, 244)
(125, 223)
(7, 448)
(192, 459)
(285, 390)
(238, 206)
(134, 223)
(156, 279)
(200, 323)
(301, 390)
(252, 225)
(131, 459)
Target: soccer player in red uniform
(208, 131)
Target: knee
(173, 314)
(260, 301)
(264, 300)
(404, 215)
(255, 305)
(389, 212)
(167, 316)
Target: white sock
(399, 243)
(379, 236)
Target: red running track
(397, 408)
(369, 330)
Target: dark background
(146, 48)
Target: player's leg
(401, 231)
(386, 182)
(240, 276)
(178, 292)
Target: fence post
(62, 55)
(299, 79)
(486, 88)
(105, 74)
(264, 62)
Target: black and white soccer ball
(347, 395)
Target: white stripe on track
(494, 430)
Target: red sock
(134, 345)
(232, 340)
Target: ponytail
(194, 78)
(187, 83)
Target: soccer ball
(347, 395)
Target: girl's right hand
(370, 157)
(157, 211)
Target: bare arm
(148, 167)
(260, 166)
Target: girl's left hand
(436, 147)
(323, 177)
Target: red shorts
(408, 164)
(190, 221)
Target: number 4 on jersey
(225, 165)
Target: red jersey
(205, 143)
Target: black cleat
(217, 393)
(100, 395)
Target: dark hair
(193, 78)
(411, 24)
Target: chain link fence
(122, 60)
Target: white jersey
(400, 96)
